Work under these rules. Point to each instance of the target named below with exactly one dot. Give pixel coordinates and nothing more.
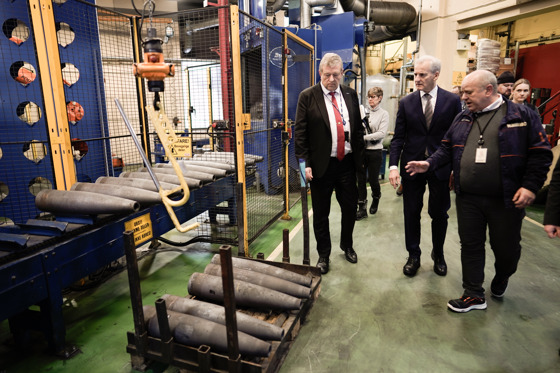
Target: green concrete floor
(369, 317)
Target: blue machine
(16, 171)
(51, 261)
(15, 132)
(334, 33)
(338, 33)
(88, 90)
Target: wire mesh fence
(263, 51)
(25, 157)
(97, 48)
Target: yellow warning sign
(142, 228)
(458, 77)
(181, 147)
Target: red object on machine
(25, 75)
(16, 40)
(75, 112)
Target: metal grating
(25, 163)
(97, 48)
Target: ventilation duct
(274, 6)
(391, 19)
(386, 13)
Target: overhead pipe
(388, 13)
(391, 19)
(307, 5)
(327, 3)
(304, 15)
(275, 5)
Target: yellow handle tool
(161, 122)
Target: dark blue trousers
(340, 177)
(438, 204)
(475, 214)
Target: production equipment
(153, 69)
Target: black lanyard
(481, 139)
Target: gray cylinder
(82, 203)
(246, 294)
(227, 157)
(172, 179)
(203, 176)
(192, 166)
(144, 197)
(257, 278)
(199, 168)
(262, 267)
(195, 331)
(199, 162)
(135, 183)
(216, 313)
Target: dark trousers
(474, 214)
(340, 177)
(438, 205)
(372, 164)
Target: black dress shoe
(323, 265)
(411, 266)
(350, 255)
(440, 267)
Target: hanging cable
(151, 5)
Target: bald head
(482, 78)
(480, 89)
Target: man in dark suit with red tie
(329, 138)
(423, 118)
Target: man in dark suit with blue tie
(423, 118)
(329, 138)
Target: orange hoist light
(153, 69)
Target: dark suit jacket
(552, 211)
(313, 138)
(412, 136)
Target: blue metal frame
(262, 131)
(20, 202)
(40, 277)
(89, 90)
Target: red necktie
(339, 130)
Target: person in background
(375, 131)
(329, 138)
(423, 118)
(552, 210)
(505, 84)
(457, 90)
(520, 92)
(500, 157)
